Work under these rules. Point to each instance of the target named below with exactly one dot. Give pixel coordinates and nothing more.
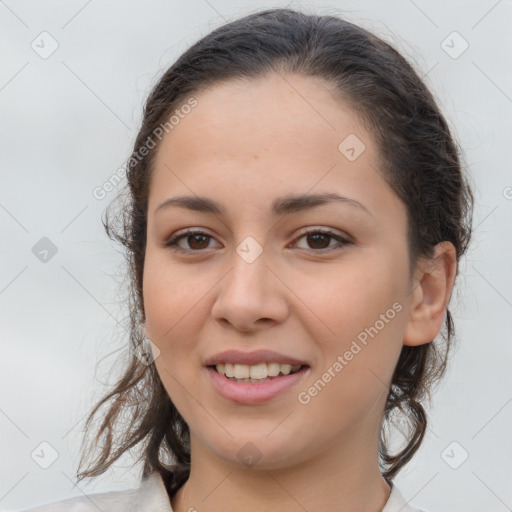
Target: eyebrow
(280, 206)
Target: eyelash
(172, 242)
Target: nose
(251, 296)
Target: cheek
(172, 315)
(359, 355)
(359, 315)
(175, 304)
(347, 298)
(170, 298)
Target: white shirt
(151, 496)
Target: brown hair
(420, 161)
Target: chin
(259, 452)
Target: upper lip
(252, 358)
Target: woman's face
(261, 276)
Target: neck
(348, 480)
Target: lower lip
(254, 392)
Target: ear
(431, 291)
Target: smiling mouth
(256, 373)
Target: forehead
(278, 122)
(249, 118)
(265, 138)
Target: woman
(295, 217)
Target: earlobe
(431, 293)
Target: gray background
(67, 125)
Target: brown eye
(196, 240)
(320, 240)
(316, 240)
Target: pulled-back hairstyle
(418, 158)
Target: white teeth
(229, 370)
(241, 371)
(273, 369)
(257, 371)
